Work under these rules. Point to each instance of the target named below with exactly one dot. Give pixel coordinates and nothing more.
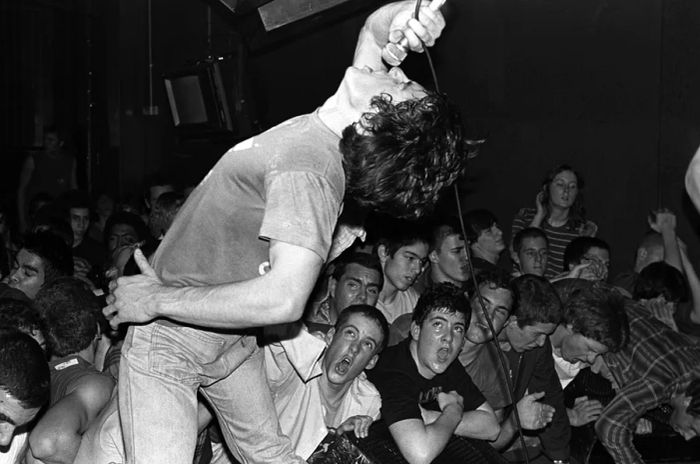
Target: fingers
(143, 265)
(580, 399)
(536, 395)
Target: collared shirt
(293, 367)
(656, 363)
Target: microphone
(394, 53)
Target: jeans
(163, 366)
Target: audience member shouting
(319, 384)
(357, 278)
(426, 394)
(78, 390)
(559, 213)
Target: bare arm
(692, 180)
(480, 423)
(664, 222)
(693, 285)
(25, 176)
(56, 437)
(420, 443)
(392, 23)
(278, 296)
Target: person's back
(78, 390)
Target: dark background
(608, 86)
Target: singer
(249, 243)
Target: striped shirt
(656, 364)
(558, 237)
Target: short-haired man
(23, 316)
(88, 254)
(318, 384)
(356, 279)
(24, 388)
(529, 252)
(426, 394)
(591, 251)
(660, 243)
(448, 255)
(493, 288)
(42, 258)
(248, 244)
(403, 253)
(78, 390)
(528, 352)
(485, 239)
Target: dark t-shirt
(403, 389)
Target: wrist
(560, 461)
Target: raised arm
(392, 24)
(278, 296)
(692, 180)
(664, 222)
(693, 285)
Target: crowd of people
(253, 319)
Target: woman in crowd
(559, 213)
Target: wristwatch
(560, 461)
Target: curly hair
(399, 157)
(577, 213)
(70, 312)
(444, 298)
(599, 313)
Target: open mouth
(343, 366)
(443, 355)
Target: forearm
(617, 439)
(506, 434)
(252, 303)
(481, 425)
(374, 35)
(672, 254)
(692, 180)
(420, 443)
(694, 286)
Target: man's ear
(433, 257)
(414, 331)
(329, 336)
(383, 254)
(332, 285)
(372, 362)
(514, 257)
